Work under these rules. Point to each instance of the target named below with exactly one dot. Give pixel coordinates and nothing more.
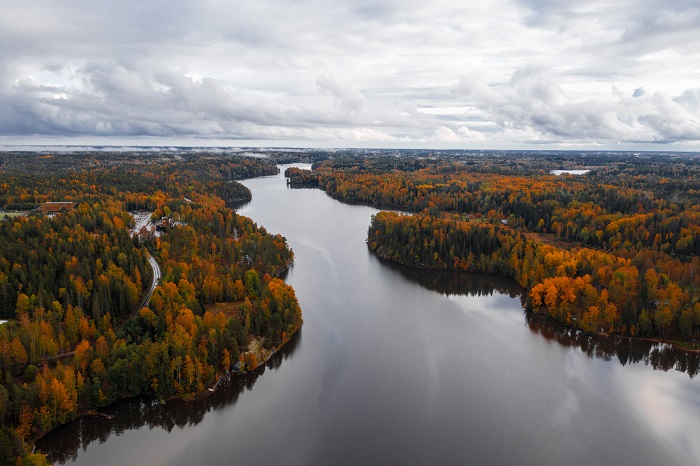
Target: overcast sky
(534, 74)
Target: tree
(26, 419)
(83, 355)
(610, 314)
(685, 322)
(11, 447)
(35, 459)
(644, 323)
(226, 360)
(4, 405)
(589, 322)
(663, 318)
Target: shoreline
(678, 345)
(652, 340)
(221, 377)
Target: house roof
(56, 207)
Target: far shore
(681, 345)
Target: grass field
(228, 309)
(12, 214)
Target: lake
(568, 172)
(403, 366)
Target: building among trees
(54, 208)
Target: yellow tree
(589, 322)
(82, 356)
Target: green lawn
(12, 214)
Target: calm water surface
(400, 366)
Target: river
(402, 366)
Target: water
(402, 366)
(568, 172)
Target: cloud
(54, 67)
(471, 135)
(443, 133)
(533, 101)
(350, 98)
(519, 71)
(111, 99)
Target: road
(144, 303)
(143, 219)
(156, 280)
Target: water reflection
(64, 444)
(238, 205)
(626, 350)
(457, 283)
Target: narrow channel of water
(402, 366)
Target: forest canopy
(72, 285)
(616, 250)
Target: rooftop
(55, 207)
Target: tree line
(586, 288)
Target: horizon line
(174, 147)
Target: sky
(510, 74)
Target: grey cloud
(690, 100)
(350, 98)
(631, 24)
(116, 100)
(310, 69)
(54, 67)
(533, 102)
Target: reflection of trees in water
(457, 283)
(626, 350)
(63, 444)
(238, 205)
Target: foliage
(617, 250)
(72, 285)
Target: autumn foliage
(71, 286)
(616, 251)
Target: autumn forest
(127, 274)
(79, 335)
(613, 251)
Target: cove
(404, 366)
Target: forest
(614, 251)
(71, 285)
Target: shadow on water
(456, 283)
(64, 443)
(659, 356)
(238, 205)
